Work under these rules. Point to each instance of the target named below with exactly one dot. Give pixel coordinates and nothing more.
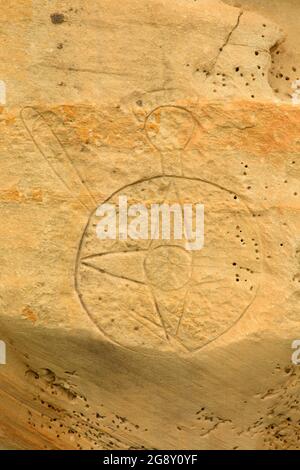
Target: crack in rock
(236, 25)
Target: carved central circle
(168, 267)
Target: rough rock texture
(109, 344)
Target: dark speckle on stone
(57, 18)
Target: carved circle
(170, 127)
(152, 295)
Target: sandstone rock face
(109, 342)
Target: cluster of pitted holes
(52, 423)
(247, 78)
(293, 162)
(274, 438)
(202, 415)
(246, 167)
(78, 419)
(240, 271)
(61, 429)
(207, 420)
(221, 80)
(285, 430)
(283, 77)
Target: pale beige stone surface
(126, 345)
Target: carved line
(55, 137)
(183, 311)
(113, 253)
(232, 324)
(103, 271)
